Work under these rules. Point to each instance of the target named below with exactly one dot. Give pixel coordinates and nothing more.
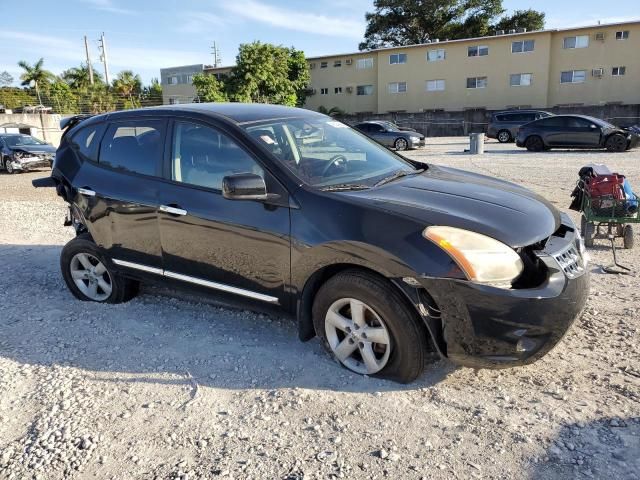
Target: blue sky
(146, 35)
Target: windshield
(325, 153)
(22, 140)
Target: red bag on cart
(606, 192)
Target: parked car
(575, 131)
(390, 135)
(504, 126)
(379, 256)
(20, 152)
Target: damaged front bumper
(25, 164)
(482, 326)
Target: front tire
(89, 274)
(588, 232)
(401, 144)
(616, 143)
(8, 167)
(627, 236)
(366, 325)
(504, 136)
(534, 144)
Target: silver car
(504, 126)
(390, 135)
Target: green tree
(529, 19)
(396, 23)
(13, 97)
(62, 97)
(6, 79)
(332, 112)
(78, 78)
(266, 73)
(128, 86)
(97, 98)
(35, 73)
(152, 93)
(209, 88)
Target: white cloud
(108, 6)
(200, 22)
(296, 20)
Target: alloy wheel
(8, 167)
(358, 336)
(91, 276)
(401, 144)
(504, 136)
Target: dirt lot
(185, 388)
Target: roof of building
(460, 40)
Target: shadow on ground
(605, 448)
(193, 337)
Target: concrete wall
(463, 122)
(43, 126)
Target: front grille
(570, 262)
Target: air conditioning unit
(349, 89)
(597, 72)
(600, 36)
(348, 61)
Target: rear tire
(534, 144)
(588, 233)
(616, 143)
(504, 136)
(353, 303)
(89, 274)
(628, 237)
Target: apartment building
(177, 82)
(594, 65)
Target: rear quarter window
(86, 141)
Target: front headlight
(481, 258)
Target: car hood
(444, 196)
(35, 149)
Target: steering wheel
(337, 161)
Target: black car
(504, 126)
(20, 152)
(575, 131)
(390, 135)
(381, 257)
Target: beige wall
(545, 63)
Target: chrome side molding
(198, 281)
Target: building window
(398, 87)
(337, 63)
(172, 80)
(323, 64)
(364, 63)
(173, 101)
(324, 91)
(477, 82)
(581, 41)
(189, 78)
(521, 79)
(397, 58)
(624, 35)
(337, 90)
(436, 55)
(523, 46)
(478, 51)
(573, 76)
(364, 90)
(618, 71)
(435, 85)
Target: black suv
(379, 256)
(504, 125)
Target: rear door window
(134, 146)
(553, 122)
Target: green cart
(607, 219)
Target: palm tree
(36, 74)
(127, 84)
(78, 78)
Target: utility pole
(216, 55)
(86, 49)
(103, 57)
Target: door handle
(172, 210)
(87, 192)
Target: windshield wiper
(344, 186)
(398, 174)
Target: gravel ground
(189, 387)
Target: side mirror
(244, 186)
